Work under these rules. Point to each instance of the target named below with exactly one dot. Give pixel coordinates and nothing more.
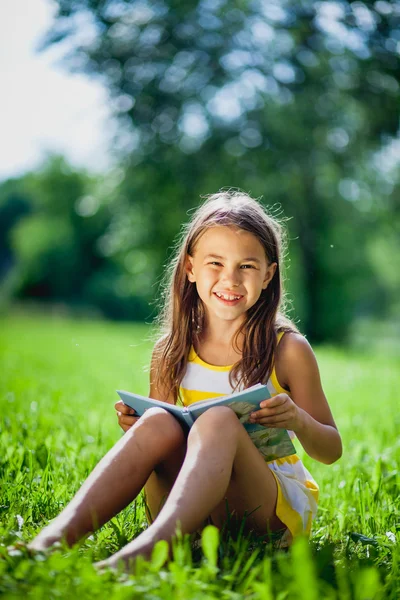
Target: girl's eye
(215, 263)
(247, 267)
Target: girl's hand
(126, 415)
(278, 412)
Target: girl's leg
(117, 479)
(221, 462)
(161, 481)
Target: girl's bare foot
(43, 542)
(21, 549)
(126, 558)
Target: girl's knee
(158, 421)
(218, 418)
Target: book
(271, 443)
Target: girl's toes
(16, 549)
(102, 565)
(108, 564)
(40, 548)
(19, 550)
(125, 564)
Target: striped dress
(297, 491)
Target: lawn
(57, 391)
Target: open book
(271, 443)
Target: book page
(255, 394)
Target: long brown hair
(182, 314)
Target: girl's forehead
(228, 239)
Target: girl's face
(230, 270)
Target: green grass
(57, 390)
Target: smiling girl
(223, 331)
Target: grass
(57, 390)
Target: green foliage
(209, 544)
(293, 101)
(57, 420)
(50, 245)
(53, 241)
(297, 102)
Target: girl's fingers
(120, 407)
(127, 419)
(275, 425)
(285, 416)
(269, 412)
(272, 412)
(275, 401)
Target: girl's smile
(228, 298)
(230, 269)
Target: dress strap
(279, 336)
(273, 377)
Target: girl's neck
(219, 332)
(220, 347)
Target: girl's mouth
(228, 299)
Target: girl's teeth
(224, 297)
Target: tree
(289, 100)
(51, 226)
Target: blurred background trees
(297, 102)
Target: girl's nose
(231, 277)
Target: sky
(43, 108)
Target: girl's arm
(306, 411)
(126, 415)
(158, 392)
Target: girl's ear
(189, 269)
(269, 274)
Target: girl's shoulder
(293, 352)
(291, 343)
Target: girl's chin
(226, 314)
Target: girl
(222, 331)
